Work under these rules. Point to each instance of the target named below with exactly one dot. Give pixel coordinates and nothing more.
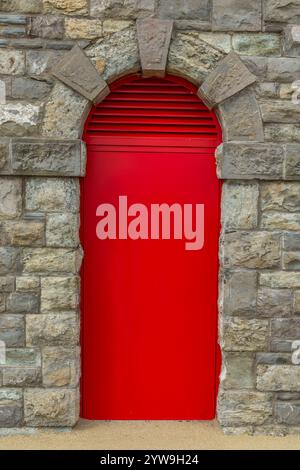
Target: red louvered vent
(152, 107)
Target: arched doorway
(150, 231)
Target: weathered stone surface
(257, 44)
(52, 194)
(24, 6)
(154, 38)
(46, 26)
(185, 9)
(284, 396)
(10, 197)
(280, 196)
(238, 371)
(4, 154)
(297, 303)
(195, 25)
(244, 407)
(282, 11)
(241, 118)
(112, 26)
(12, 330)
(61, 367)
(241, 334)
(288, 413)
(291, 241)
(51, 407)
(78, 72)
(119, 52)
(48, 157)
(281, 221)
(7, 283)
(285, 91)
(9, 259)
(292, 260)
(12, 62)
(282, 133)
(274, 302)
(273, 358)
(192, 57)
(19, 118)
(239, 205)
(63, 114)
(127, 9)
(49, 260)
(26, 357)
(29, 89)
(292, 162)
(23, 232)
(251, 249)
(281, 345)
(59, 293)
(220, 41)
(22, 376)
(240, 293)
(62, 230)
(61, 329)
(280, 111)
(83, 29)
(68, 7)
(266, 90)
(27, 283)
(292, 40)
(236, 15)
(283, 69)
(287, 328)
(278, 378)
(280, 279)
(41, 62)
(23, 302)
(250, 161)
(228, 78)
(11, 407)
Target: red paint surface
(149, 307)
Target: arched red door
(150, 228)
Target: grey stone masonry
(57, 59)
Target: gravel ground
(144, 435)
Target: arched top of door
(163, 112)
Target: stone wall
(42, 159)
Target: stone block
(61, 367)
(241, 118)
(250, 161)
(46, 26)
(4, 155)
(240, 293)
(49, 260)
(9, 260)
(59, 293)
(292, 163)
(44, 407)
(297, 303)
(23, 6)
(52, 195)
(83, 29)
(281, 279)
(12, 330)
(280, 221)
(292, 40)
(239, 205)
(285, 328)
(228, 78)
(23, 302)
(283, 69)
(48, 157)
(241, 334)
(41, 62)
(284, 197)
(238, 371)
(280, 111)
(23, 232)
(66, 7)
(25, 88)
(62, 230)
(11, 407)
(18, 119)
(60, 329)
(244, 407)
(129, 9)
(281, 11)
(257, 44)
(77, 71)
(291, 241)
(10, 197)
(23, 357)
(7, 283)
(274, 302)
(282, 133)
(12, 62)
(273, 358)
(291, 260)
(22, 376)
(278, 378)
(27, 283)
(185, 10)
(154, 38)
(252, 249)
(288, 413)
(236, 15)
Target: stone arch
(226, 85)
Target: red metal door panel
(149, 307)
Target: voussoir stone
(244, 407)
(46, 407)
(154, 38)
(48, 157)
(77, 71)
(228, 78)
(250, 161)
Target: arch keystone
(228, 78)
(154, 37)
(77, 72)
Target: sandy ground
(127, 435)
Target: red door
(150, 230)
